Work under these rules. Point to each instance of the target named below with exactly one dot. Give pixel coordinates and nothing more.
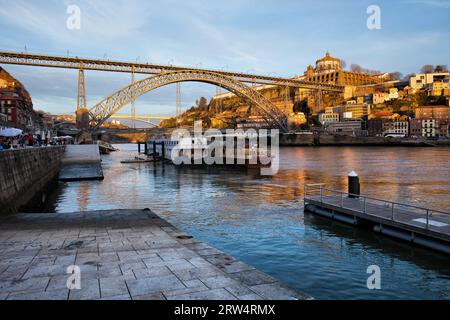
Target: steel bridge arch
(113, 103)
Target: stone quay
(121, 255)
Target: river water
(260, 220)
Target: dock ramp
(81, 162)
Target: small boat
(105, 147)
(137, 160)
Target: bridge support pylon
(82, 113)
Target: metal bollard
(354, 187)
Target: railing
(371, 205)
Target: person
(30, 140)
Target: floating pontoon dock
(422, 226)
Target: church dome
(328, 57)
(328, 63)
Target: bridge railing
(396, 211)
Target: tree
(356, 68)
(343, 64)
(395, 75)
(302, 106)
(408, 77)
(441, 68)
(428, 68)
(202, 104)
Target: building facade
(3, 121)
(398, 128)
(375, 127)
(352, 111)
(415, 127)
(329, 70)
(420, 81)
(252, 122)
(328, 117)
(430, 128)
(433, 112)
(15, 103)
(350, 128)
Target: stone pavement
(123, 255)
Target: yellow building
(329, 70)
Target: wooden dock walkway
(408, 222)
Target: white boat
(194, 148)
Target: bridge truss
(235, 82)
(110, 105)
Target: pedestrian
(30, 140)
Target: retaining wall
(25, 173)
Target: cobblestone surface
(122, 255)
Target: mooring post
(354, 188)
(139, 147)
(145, 148)
(163, 147)
(154, 151)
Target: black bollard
(354, 187)
(139, 147)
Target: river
(260, 220)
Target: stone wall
(25, 173)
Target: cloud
(241, 35)
(434, 3)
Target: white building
(328, 117)
(430, 128)
(419, 81)
(350, 128)
(396, 128)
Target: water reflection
(260, 219)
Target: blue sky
(266, 37)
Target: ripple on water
(261, 221)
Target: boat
(191, 150)
(105, 147)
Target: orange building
(433, 112)
(15, 102)
(329, 70)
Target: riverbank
(304, 140)
(261, 222)
(25, 174)
(122, 255)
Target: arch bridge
(162, 75)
